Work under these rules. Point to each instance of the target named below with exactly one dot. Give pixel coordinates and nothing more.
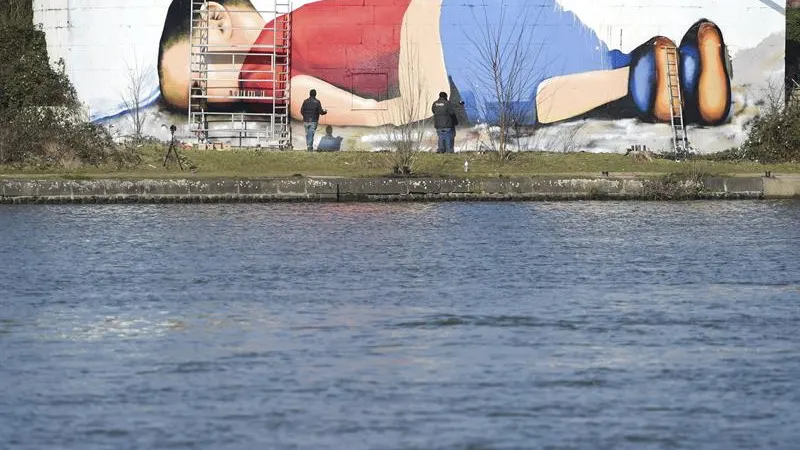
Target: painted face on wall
(233, 28)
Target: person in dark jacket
(311, 110)
(444, 120)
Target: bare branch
(407, 137)
(134, 97)
(509, 67)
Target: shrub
(675, 186)
(41, 120)
(774, 135)
(47, 137)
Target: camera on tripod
(173, 149)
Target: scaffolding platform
(240, 93)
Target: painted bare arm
(564, 97)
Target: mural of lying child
(418, 46)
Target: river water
(401, 326)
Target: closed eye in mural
(363, 59)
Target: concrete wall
(596, 83)
(397, 189)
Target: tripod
(173, 149)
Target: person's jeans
(446, 140)
(311, 128)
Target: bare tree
(134, 98)
(405, 133)
(773, 96)
(508, 66)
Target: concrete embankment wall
(390, 189)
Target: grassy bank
(254, 164)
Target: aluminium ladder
(680, 140)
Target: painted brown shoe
(648, 81)
(662, 109)
(705, 74)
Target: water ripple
(429, 326)
(484, 321)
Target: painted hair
(178, 23)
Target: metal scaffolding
(223, 108)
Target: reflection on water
(74, 328)
(480, 325)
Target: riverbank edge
(331, 189)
